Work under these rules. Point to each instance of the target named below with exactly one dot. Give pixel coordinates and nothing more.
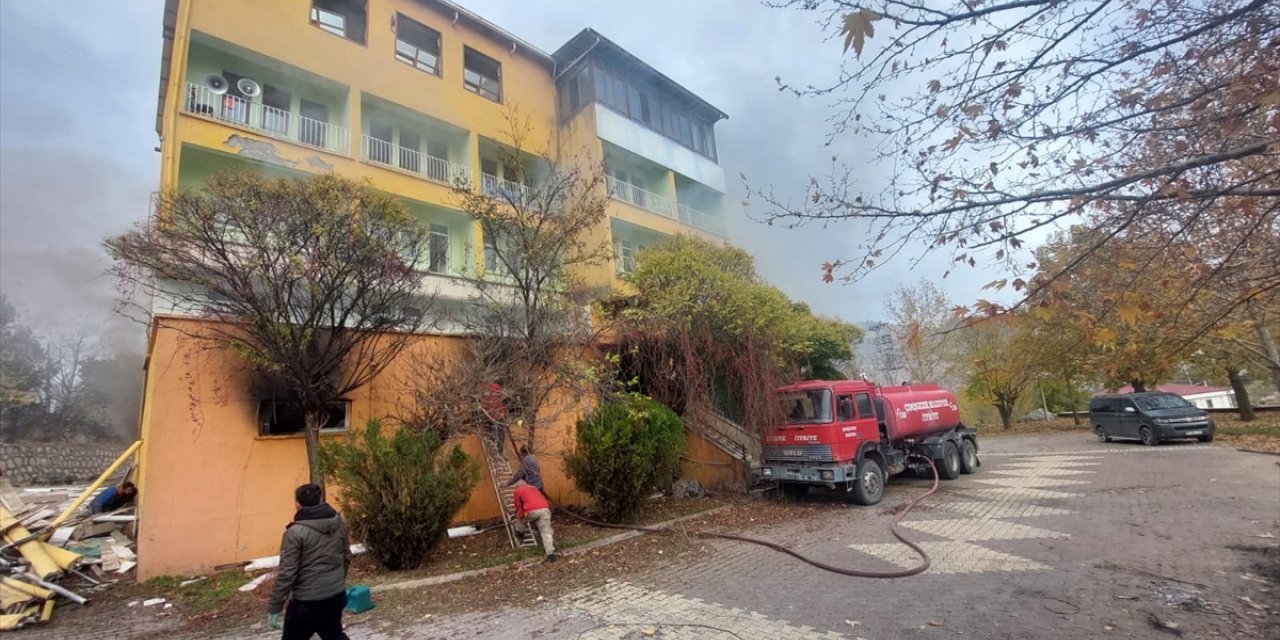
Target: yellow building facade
(416, 96)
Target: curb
(594, 544)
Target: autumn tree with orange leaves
(1004, 120)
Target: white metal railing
(279, 123)
(700, 219)
(495, 186)
(425, 166)
(643, 198)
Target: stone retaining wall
(28, 464)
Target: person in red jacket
(531, 505)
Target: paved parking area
(1056, 536)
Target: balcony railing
(431, 168)
(271, 121)
(643, 198)
(700, 219)
(514, 191)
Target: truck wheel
(1148, 436)
(868, 485)
(949, 464)
(795, 491)
(968, 456)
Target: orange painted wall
(710, 465)
(213, 492)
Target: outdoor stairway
(723, 432)
(500, 473)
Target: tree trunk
(1269, 347)
(1006, 414)
(1075, 416)
(314, 420)
(1242, 394)
(1138, 384)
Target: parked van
(1151, 417)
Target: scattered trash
(460, 532)
(1127, 598)
(650, 631)
(852, 623)
(152, 602)
(187, 583)
(1107, 627)
(1184, 599)
(934, 623)
(256, 582)
(271, 562)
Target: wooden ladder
(500, 473)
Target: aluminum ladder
(500, 474)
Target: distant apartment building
(412, 95)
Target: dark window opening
(438, 260)
(380, 136)
(277, 104)
(285, 417)
(864, 406)
(344, 18)
(410, 156)
(482, 75)
(417, 45)
(313, 124)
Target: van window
(1162, 401)
(1120, 406)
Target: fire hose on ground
(857, 573)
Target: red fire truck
(854, 434)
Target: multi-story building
(413, 95)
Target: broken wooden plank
(123, 552)
(126, 566)
(61, 536)
(109, 560)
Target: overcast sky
(78, 82)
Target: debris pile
(54, 549)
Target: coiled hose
(857, 573)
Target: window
(276, 105)
(438, 245)
(344, 18)
(490, 257)
(865, 410)
(380, 135)
(235, 106)
(844, 408)
(438, 161)
(625, 256)
(410, 157)
(314, 124)
(417, 45)
(482, 75)
(807, 406)
(285, 417)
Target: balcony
(427, 167)
(708, 222)
(512, 191)
(271, 121)
(640, 197)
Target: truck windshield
(1162, 401)
(810, 406)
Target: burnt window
(344, 18)
(481, 74)
(844, 408)
(417, 45)
(281, 417)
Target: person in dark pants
(314, 557)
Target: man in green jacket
(314, 557)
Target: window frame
(858, 400)
(479, 86)
(315, 14)
(438, 71)
(840, 415)
(264, 431)
(434, 231)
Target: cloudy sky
(78, 82)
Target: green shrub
(624, 450)
(399, 492)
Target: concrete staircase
(500, 473)
(731, 437)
